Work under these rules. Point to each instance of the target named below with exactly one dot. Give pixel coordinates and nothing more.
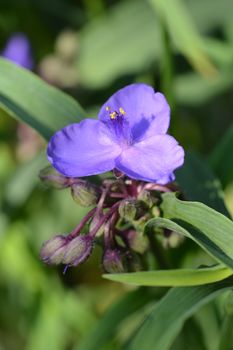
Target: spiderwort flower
(18, 50)
(130, 135)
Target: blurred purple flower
(18, 50)
(130, 136)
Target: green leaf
(184, 33)
(221, 158)
(198, 183)
(167, 317)
(107, 325)
(191, 89)
(191, 334)
(206, 20)
(210, 229)
(174, 278)
(117, 40)
(27, 98)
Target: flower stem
(156, 187)
(104, 218)
(81, 224)
(167, 66)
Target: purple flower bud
(51, 178)
(18, 50)
(78, 250)
(84, 193)
(53, 250)
(137, 241)
(112, 261)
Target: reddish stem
(81, 224)
(104, 218)
(156, 187)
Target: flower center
(119, 125)
(114, 115)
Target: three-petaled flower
(130, 135)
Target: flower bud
(78, 250)
(146, 197)
(112, 261)
(128, 209)
(137, 241)
(53, 250)
(172, 239)
(51, 178)
(133, 262)
(84, 194)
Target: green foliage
(184, 33)
(28, 99)
(212, 230)
(165, 320)
(180, 277)
(183, 48)
(118, 42)
(222, 158)
(198, 183)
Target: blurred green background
(91, 48)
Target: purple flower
(130, 136)
(18, 50)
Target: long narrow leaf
(29, 99)
(124, 307)
(181, 277)
(185, 34)
(207, 227)
(165, 321)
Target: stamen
(114, 115)
(121, 110)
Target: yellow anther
(121, 110)
(113, 115)
(107, 108)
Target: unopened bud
(112, 261)
(156, 212)
(137, 241)
(78, 250)
(128, 209)
(51, 178)
(53, 250)
(147, 198)
(172, 239)
(84, 194)
(133, 262)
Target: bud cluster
(61, 250)
(121, 207)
